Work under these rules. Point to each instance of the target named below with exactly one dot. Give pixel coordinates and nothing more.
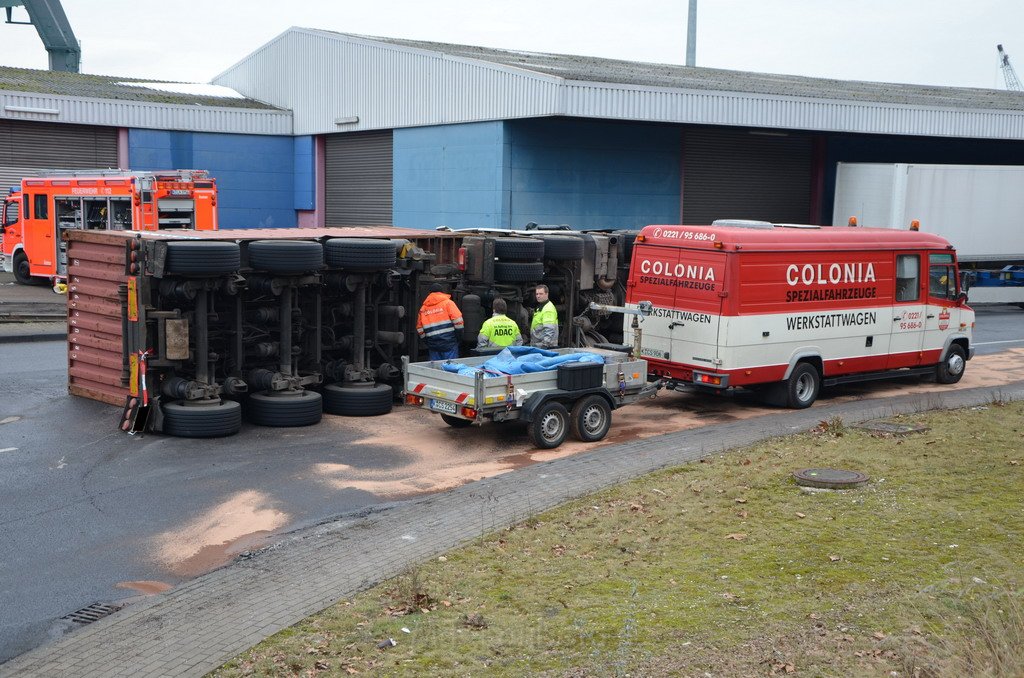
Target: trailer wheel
(22, 273)
(518, 271)
(360, 254)
(802, 386)
(455, 422)
(950, 370)
(563, 248)
(202, 420)
(358, 401)
(591, 418)
(524, 249)
(285, 408)
(286, 256)
(202, 257)
(550, 425)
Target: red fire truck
(786, 309)
(38, 215)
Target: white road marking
(9, 449)
(9, 420)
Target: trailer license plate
(444, 406)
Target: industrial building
(338, 129)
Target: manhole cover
(893, 428)
(830, 478)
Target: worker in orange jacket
(440, 324)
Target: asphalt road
(91, 514)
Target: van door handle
(674, 324)
(897, 319)
(931, 316)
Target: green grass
(724, 567)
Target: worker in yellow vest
(499, 330)
(544, 327)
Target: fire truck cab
(785, 309)
(38, 215)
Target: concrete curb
(33, 337)
(199, 625)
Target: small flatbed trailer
(576, 397)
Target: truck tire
(191, 420)
(22, 273)
(591, 418)
(563, 248)
(360, 254)
(951, 370)
(455, 422)
(550, 425)
(472, 316)
(202, 257)
(286, 256)
(518, 271)
(523, 249)
(358, 401)
(284, 408)
(802, 386)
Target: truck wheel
(202, 420)
(950, 370)
(802, 386)
(286, 256)
(202, 257)
(591, 418)
(22, 274)
(360, 254)
(285, 408)
(523, 249)
(550, 425)
(455, 422)
(563, 248)
(518, 271)
(370, 400)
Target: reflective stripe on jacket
(499, 331)
(438, 320)
(544, 327)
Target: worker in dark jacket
(544, 327)
(499, 330)
(440, 324)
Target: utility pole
(1012, 82)
(691, 35)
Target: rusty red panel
(97, 358)
(98, 305)
(107, 342)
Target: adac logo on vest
(504, 332)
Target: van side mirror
(961, 299)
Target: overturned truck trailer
(190, 330)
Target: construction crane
(1012, 82)
(54, 30)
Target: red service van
(786, 309)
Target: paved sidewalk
(194, 628)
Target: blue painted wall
(257, 179)
(452, 175)
(593, 174)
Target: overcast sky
(933, 42)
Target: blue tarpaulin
(521, 360)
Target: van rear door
(684, 285)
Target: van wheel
(950, 370)
(803, 386)
(550, 425)
(591, 419)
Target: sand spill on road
(214, 538)
(144, 587)
(436, 457)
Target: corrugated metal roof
(54, 96)
(385, 83)
(109, 87)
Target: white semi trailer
(978, 208)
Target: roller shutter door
(733, 174)
(27, 147)
(359, 179)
